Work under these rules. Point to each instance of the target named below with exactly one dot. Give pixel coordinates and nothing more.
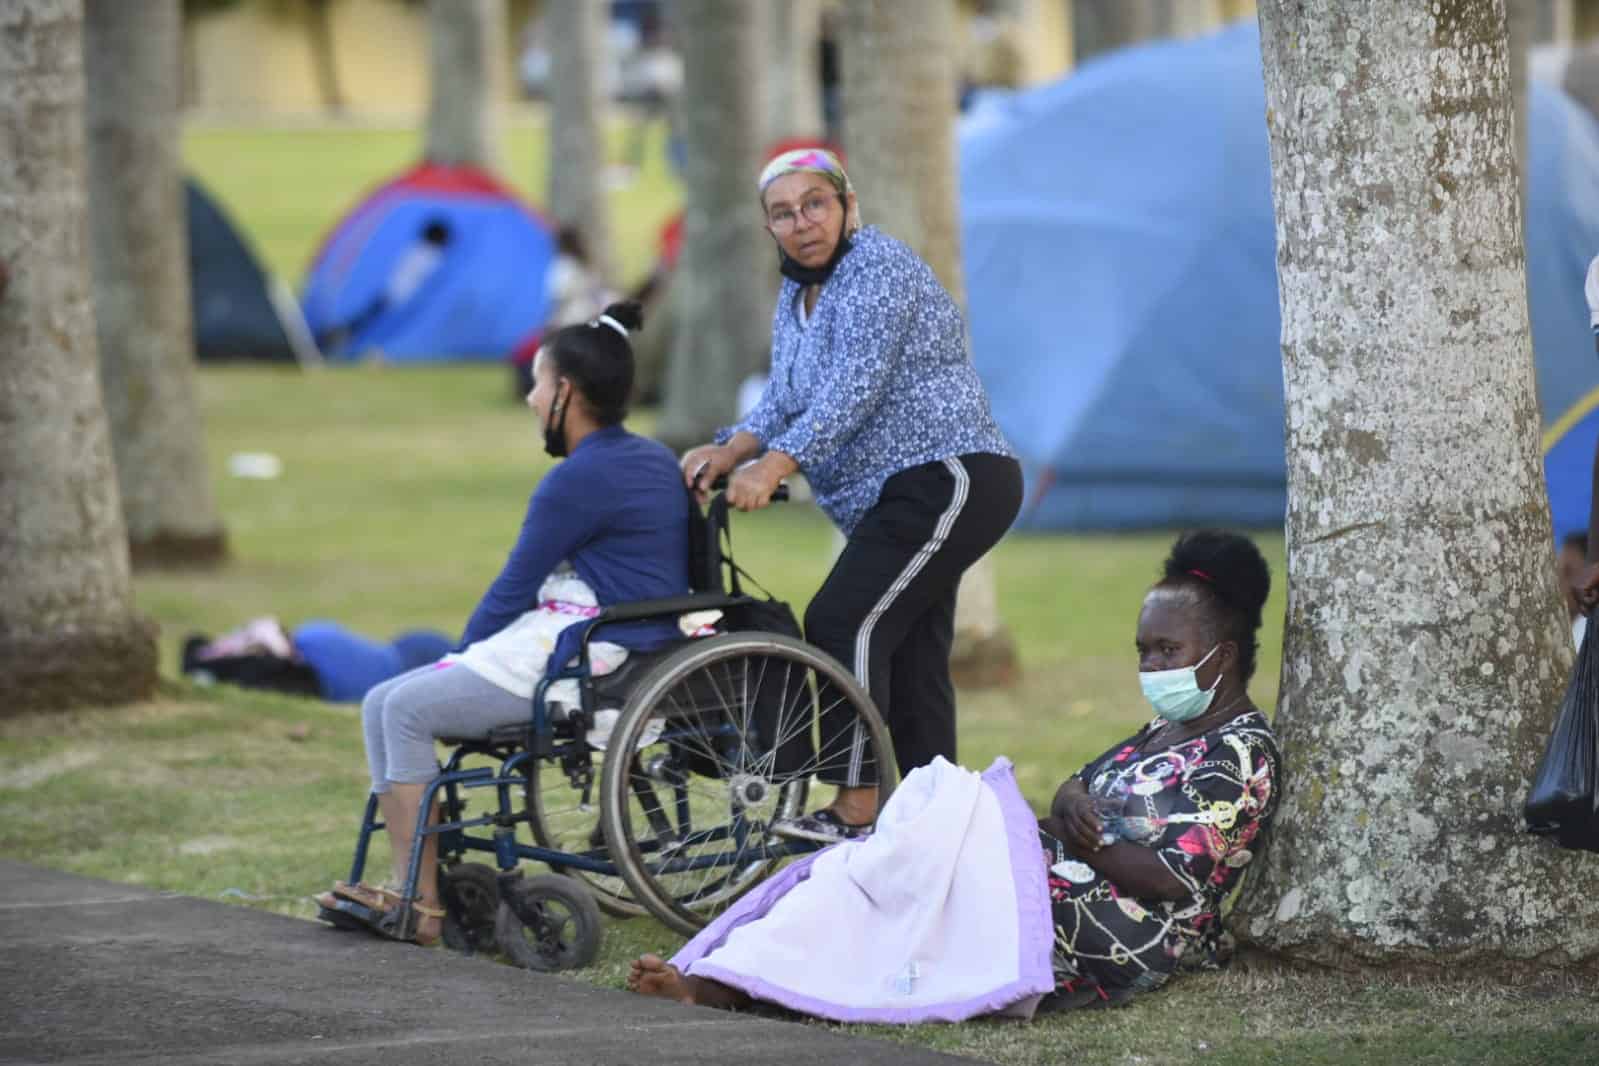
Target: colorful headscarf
(805, 161)
(813, 160)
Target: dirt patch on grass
(210, 845)
(37, 773)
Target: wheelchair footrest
(348, 914)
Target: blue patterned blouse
(875, 381)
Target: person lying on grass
(1139, 848)
(608, 525)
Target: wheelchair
(656, 793)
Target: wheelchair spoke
(749, 721)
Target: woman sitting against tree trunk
(1140, 847)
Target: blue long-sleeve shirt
(875, 381)
(617, 511)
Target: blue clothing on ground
(876, 380)
(616, 509)
(347, 665)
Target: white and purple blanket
(941, 915)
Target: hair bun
(1228, 562)
(630, 313)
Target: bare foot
(651, 975)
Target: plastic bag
(1564, 801)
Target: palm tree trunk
(899, 113)
(1425, 650)
(726, 267)
(793, 71)
(465, 39)
(577, 132)
(1105, 25)
(141, 283)
(68, 632)
(325, 57)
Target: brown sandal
(425, 911)
(373, 897)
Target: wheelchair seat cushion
(613, 689)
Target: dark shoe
(820, 827)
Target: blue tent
(486, 295)
(1121, 278)
(1569, 448)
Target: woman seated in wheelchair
(607, 525)
(1139, 850)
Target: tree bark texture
(141, 283)
(898, 76)
(68, 633)
(1425, 648)
(728, 266)
(576, 31)
(793, 89)
(464, 42)
(1105, 25)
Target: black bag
(770, 615)
(710, 550)
(1564, 801)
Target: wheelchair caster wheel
(471, 893)
(547, 923)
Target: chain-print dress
(1199, 805)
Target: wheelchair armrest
(672, 605)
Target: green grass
(399, 495)
(286, 188)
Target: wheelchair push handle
(779, 494)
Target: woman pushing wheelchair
(607, 525)
(873, 397)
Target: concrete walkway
(93, 972)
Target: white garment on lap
(920, 914)
(514, 658)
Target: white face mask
(1175, 694)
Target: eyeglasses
(815, 209)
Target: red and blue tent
(486, 294)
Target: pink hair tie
(1202, 575)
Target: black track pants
(887, 610)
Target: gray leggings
(402, 716)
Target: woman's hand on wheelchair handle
(751, 487)
(703, 466)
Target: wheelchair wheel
(560, 821)
(471, 893)
(547, 923)
(719, 742)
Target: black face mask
(815, 275)
(555, 428)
